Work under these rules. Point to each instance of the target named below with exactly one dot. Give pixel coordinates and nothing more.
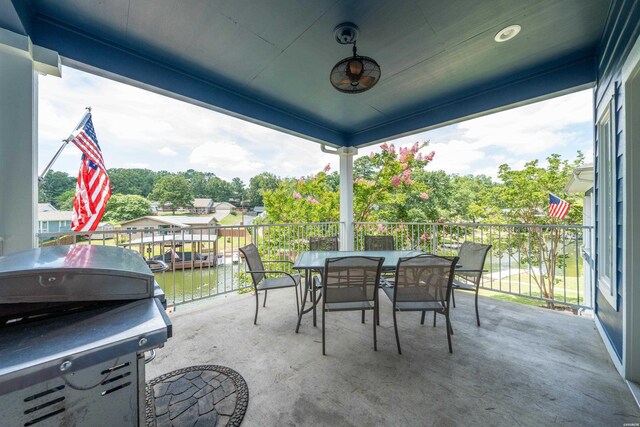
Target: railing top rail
(480, 224)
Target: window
(606, 206)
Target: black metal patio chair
(260, 280)
(472, 257)
(379, 243)
(329, 243)
(422, 283)
(351, 284)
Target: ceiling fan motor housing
(346, 33)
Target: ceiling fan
(354, 74)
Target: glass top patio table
(315, 260)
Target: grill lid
(74, 273)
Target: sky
(140, 129)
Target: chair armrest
(277, 261)
(272, 272)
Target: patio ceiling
(269, 62)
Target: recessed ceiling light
(507, 33)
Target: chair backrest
(472, 256)
(424, 278)
(254, 262)
(350, 279)
(379, 243)
(323, 243)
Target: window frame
(606, 206)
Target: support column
(346, 197)
(20, 63)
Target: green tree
(64, 201)
(260, 183)
(173, 189)
(523, 198)
(381, 191)
(132, 181)
(123, 207)
(218, 189)
(55, 183)
(237, 190)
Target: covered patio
(523, 366)
(442, 63)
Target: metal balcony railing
(545, 262)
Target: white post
(346, 196)
(20, 63)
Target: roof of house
(224, 205)
(581, 179)
(55, 215)
(177, 220)
(46, 207)
(202, 203)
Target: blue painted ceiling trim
(92, 54)
(101, 55)
(15, 16)
(556, 78)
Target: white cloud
(226, 158)
(132, 123)
(166, 151)
(138, 165)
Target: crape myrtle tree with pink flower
(384, 191)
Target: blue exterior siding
(622, 30)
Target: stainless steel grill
(74, 355)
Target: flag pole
(65, 142)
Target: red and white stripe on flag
(557, 207)
(93, 188)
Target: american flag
(93, 188)
(557, 207)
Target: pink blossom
(424, 196)
(327, 168)
(359, 180)
(312, 200)
(301, 180)
(395, 181)
(404, 165)
(425, 236)
(392, 149)
(297, 195)
(372, 155)
(384, 146)
(415, 147)
(381, 228)
(419, 157)
(430, 156)
(370, 183)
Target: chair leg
(378, 312)
(362, 316)
(453, 297)
(477, 314)
(297, 302)
(264, 303)
(395, 328)
(434, 319)
(375, 324)
(422, 318)
(449, 331)
(323, 340)
(255, 319)
(304, 300)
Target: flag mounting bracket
(65, 142)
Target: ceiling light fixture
(507, 33)
(354, 74)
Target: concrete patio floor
(523, 366)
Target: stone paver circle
(203, 395)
